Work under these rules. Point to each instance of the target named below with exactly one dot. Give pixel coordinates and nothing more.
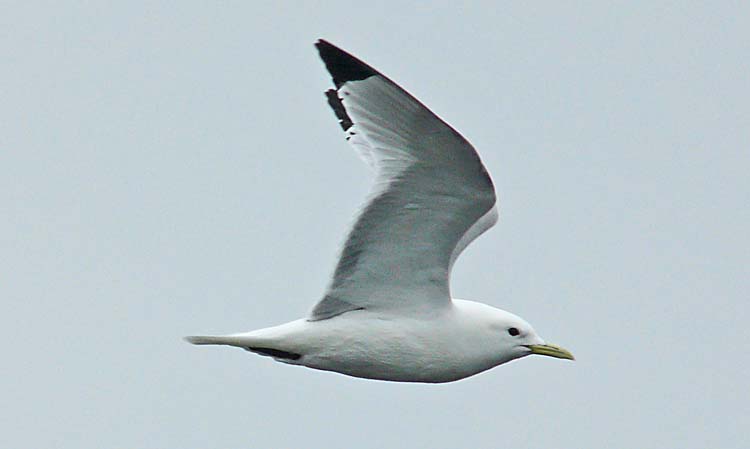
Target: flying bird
(387, 313)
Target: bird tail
(230, 340)
(248, 343)
(204, 340)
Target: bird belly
(383, 350)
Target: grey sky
(174, 169)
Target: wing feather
(432, 196)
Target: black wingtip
(334, 101)
(341, 65)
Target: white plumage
(387, 313)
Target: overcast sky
(173, 169)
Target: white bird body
(450, 344)
(387, 313)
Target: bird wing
(432, 196)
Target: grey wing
(432, 196)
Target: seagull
(387, 313)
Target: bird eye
(513, 332)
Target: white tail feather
(230, 340)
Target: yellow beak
(551, 350)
